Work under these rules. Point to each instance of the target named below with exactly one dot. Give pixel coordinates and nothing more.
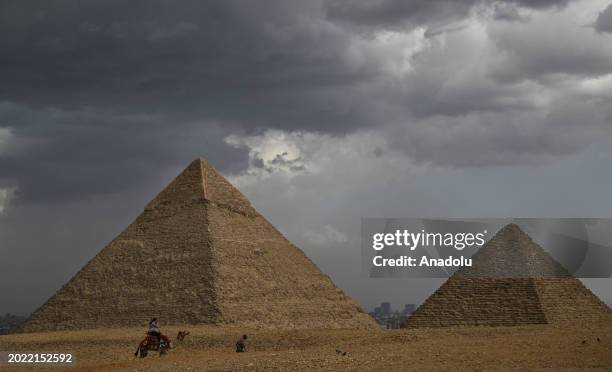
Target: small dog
(181, 335)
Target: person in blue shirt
(153, 328)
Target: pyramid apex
(186, 187)
(198, 182)
(515, 230)
(199, 160)
(512, 253)
(513, 227)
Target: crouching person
(241, 344)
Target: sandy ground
(529, 348)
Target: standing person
(241, 344)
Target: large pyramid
(513, 281)
(199, 254)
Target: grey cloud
(431, 32)
(229, 61)
(257, 162)
(541, 4)
(279, 161)
(397, 13)
(502, 138)
(103, 94)
(175, 31)
(393, 14)
(604, 20)
(535, 56)
(508, 12)
(221, 60)
(71, 155)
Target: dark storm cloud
(106, 94)
(604, 21)
(66, 155)
(100, 94)
(540, 4)
(398, 13)
(103, 94)
(221, 60)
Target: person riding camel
(154, 329)
(154, 340)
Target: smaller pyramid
(512, 281)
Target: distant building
(9, 322)
(408, 309)
(389, 319)
(386, 308)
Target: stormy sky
(322, 112)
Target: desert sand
(557, 347)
